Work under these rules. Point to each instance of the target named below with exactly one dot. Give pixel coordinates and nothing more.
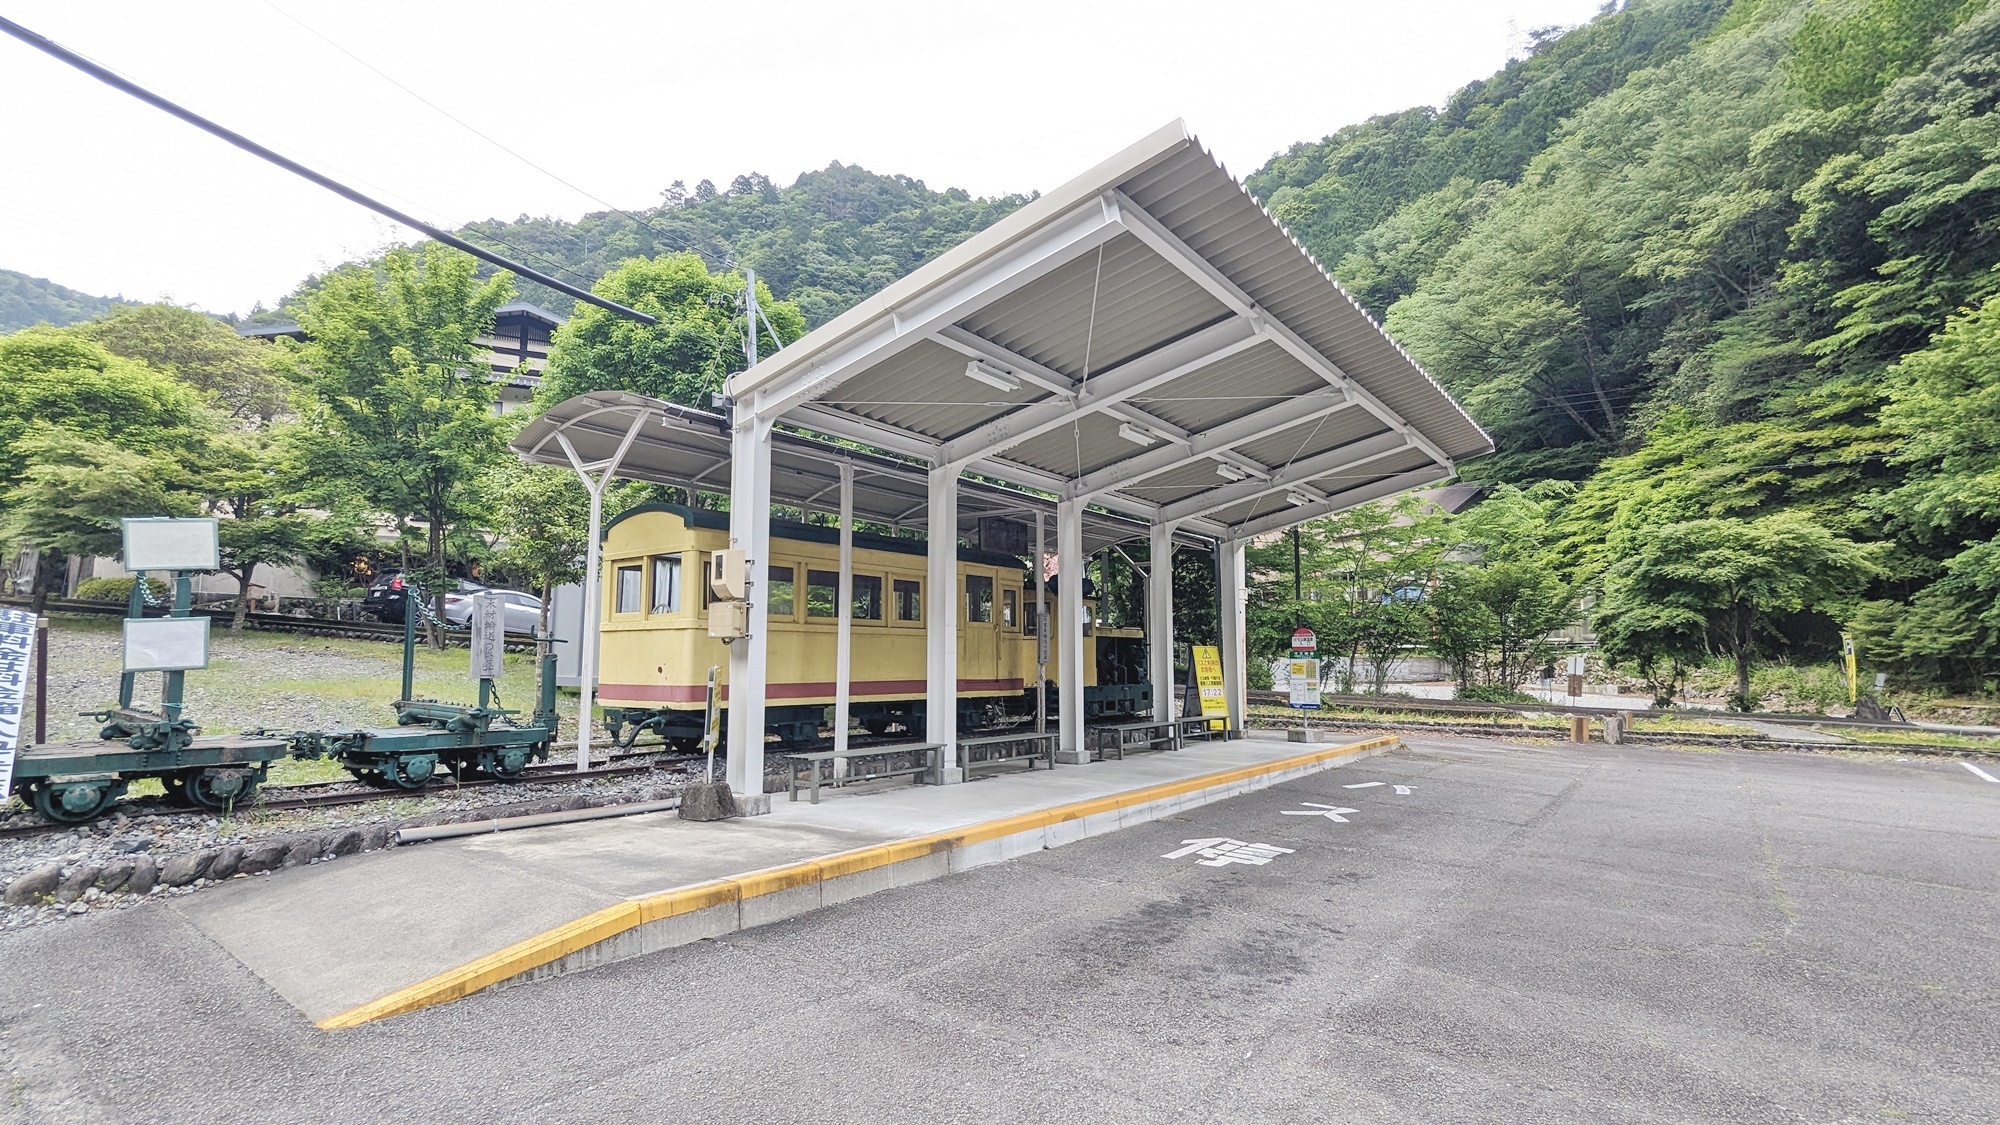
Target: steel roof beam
(1297, 473)
(1168, 245)
(1135, 376)
(1083, 229)
(1213, 442)
(1340, 502)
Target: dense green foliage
(1698, 264)
(27, 301)
(831, 238)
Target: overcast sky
(104, 194)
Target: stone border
(721, 906)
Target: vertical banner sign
(489, 636)
(1208, 681)
(1853, 673)
(17, 652)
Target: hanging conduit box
(730, 577)
(728, 621)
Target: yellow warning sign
(1208, 680)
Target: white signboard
(17, 656)
(170, 544)
(165, 644)
(1305, 684)
(1576, 665)
(489, 636)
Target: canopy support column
(1235, 659)
(941, 630)
(1043, 638)
(1069, 634)
(595, 476)
(1160, 619)
(843, 651)
(750, 532)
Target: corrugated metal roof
(1175, 351)
(688, 448)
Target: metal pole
(750, 306)
(41, 680)
(1043, 638)
(592, 595)
(410, 603)
(135, 606)
(941, 626)
(171, 692)
(1160, 620)
(843, 653)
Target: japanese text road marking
(1981, 772)
(1362, 785)
(1316, 809)
(1221, 851)
(1404, 790)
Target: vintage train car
(655, 650)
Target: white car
(523, 612)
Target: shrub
(117, 589)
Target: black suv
(386, 598)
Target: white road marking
(1314, 808)
(1981, 772)
(1222, 851)
(1362, 785)
(1404, 790)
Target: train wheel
(412, 772)
(507, 764)
(221, 790)
(73, 802)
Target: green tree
(1722, 584)
(267, 515)
(400, 411)
(543, 525)
(684, 357)
(242, 377)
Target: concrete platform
(387, 932)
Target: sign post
(1305, 669)
(1207, 660)
(489, 643)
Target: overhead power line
(671, 238)
(117, 82)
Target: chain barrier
(413, 594)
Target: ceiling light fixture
(1137, 435)
(1227, 471)
(991, 376)
(1299, 499)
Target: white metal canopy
(1148, 339)
(1144, 341)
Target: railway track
(328, 794)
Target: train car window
(707, 595)
(822, 593)
(1031, 623)
(979, 597)
(867, 597)
(627, 587)
(909, 600)
(666, 584)
(1010, 614)
(781, 596)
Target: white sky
(102, 193)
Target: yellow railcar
(655, 650)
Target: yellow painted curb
(571, 937)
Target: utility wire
(672, 239)
(115, 81)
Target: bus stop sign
(1304, 642)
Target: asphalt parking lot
(1464, 930)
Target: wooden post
(1579, 728)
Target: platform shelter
(1144, 349)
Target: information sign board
(165, 644)
(1305, 684)
(489, 636)
(1208, 681)
(17, 657)
(160, 543)
(1304, 641)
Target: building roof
(1146, 338)
(688, 448)
(529, 309)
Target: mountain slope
(28, 300)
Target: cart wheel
(220, 790)
(73, 802)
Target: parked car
(385, 598)
(523, 612)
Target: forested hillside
(1706, 265)
(28, 300)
